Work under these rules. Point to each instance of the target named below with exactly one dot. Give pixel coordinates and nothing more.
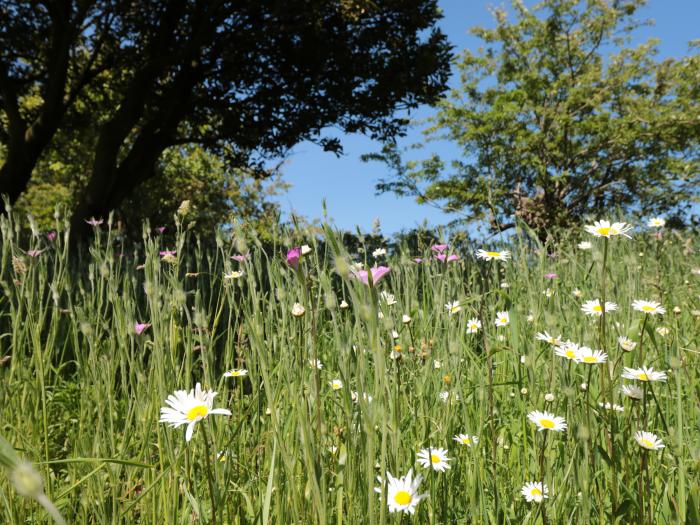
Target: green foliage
(81, 391)
(556, 118)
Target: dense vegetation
(93, 344)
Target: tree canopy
(246, 80)
(558, 117)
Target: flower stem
(210, 475)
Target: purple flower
(551, 275)
(445, 258)
(140, 327)
(34, 253)
(293, 256)
(160, 229)
(439, 247)
(168, 252)
(94, 222)
(243, 257)
(378, 273)
(51, 236)
(418, 260)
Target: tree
(247, 80)
(552, 129)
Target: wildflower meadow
(292, 382)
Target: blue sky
(347, 184)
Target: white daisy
(643, 374)
(402, 493)
(236, 372)
(534, 492)
(503, 255)
(656, 222)
(502, 319)
(648, 307)
(626, 344)
(473, 326)
(594, 308)
(379, 252)
(544, 336)
(316, 363)
(606, 229)
(189, 408)
(648, 440)
(298, 310)
(590, 357)
(388, 298)
(435, 458)
(633, 392)
(568, 350)
(547, 421)
(336, 384)
(234, 275)
(585, 245)
(467, 440)
(453, 307)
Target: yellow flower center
(604, 231)
(643, 377)
(646, 443)
(597, 308)
(570, 354)
(435, 458)
(466, 440)
(397, 348)
(647, 308)
(335, 386)
(504, 320)
(199, 411)
(547, 423)
(493, 254)
(402, 497)
(590, 359)
(536, 492)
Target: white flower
(473, 326)
(663, 331)
(568, 350)
(534, 491)
(402, 493)
(435, 458)
(234, 275)
(626, 344)
(594, 308)
(236, 372)
(505, 285)
(344, 304)
(336, 384)
(547, 421)
(590, 357)
(656, 222)
(577, 293)
(379, 252)
(437, 364)
(648, 307)
(502, 319)
(305, 249)
(446, 396)
(355, 396)
(453, 307)
(648, 440)
(585, 245)
(388, 298)
(544, 336)
(503, 255)
(548, 293)
(189, 408)
(465, 439)
(644, 374)
(633, 392)
(298, 310)
(549, 397)
(406, 319)
(606, 229)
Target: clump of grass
(82, 390)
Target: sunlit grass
(82, 390)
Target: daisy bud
(676, 310)
(298, 310)
(394, 334)
(305, 249)
(523, 391)
(344, 304)
(406, 319)
(584, 386)
(549, 397)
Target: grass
(81, 393)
